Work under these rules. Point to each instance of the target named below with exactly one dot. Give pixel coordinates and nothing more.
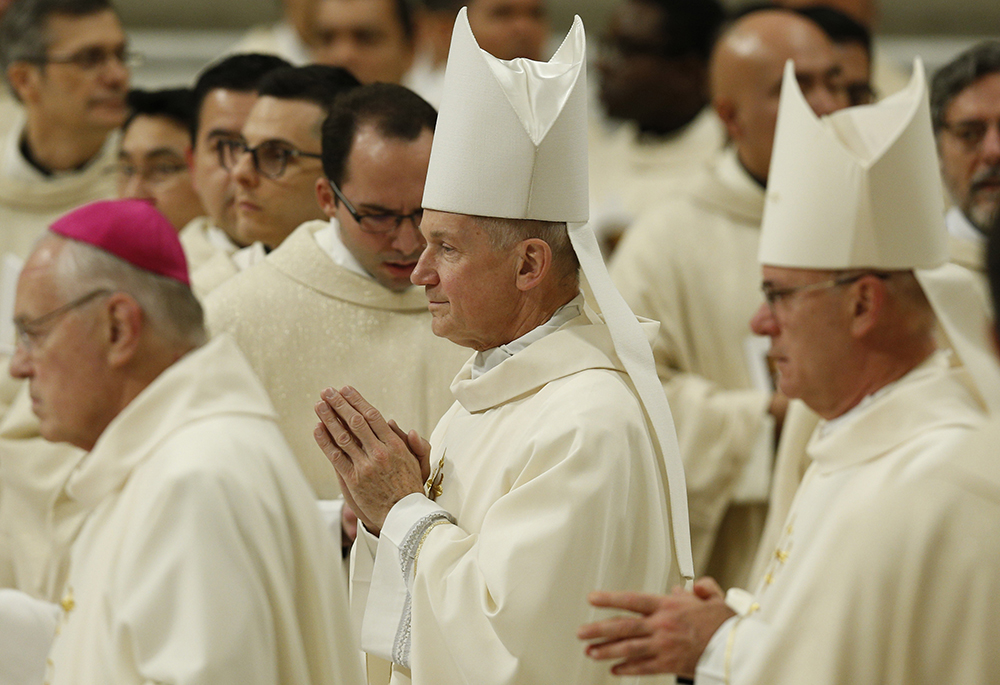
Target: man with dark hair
(653, 68)
(343, 285)
(276, 161)
(965, 109)
(223, 96)
(66, 61)
(202, 559)
(152, 161)
(853, 44)
(373, 39)
(690, 264)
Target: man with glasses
(965, 107)
(856, 282)
(202, 559)
(333, 303)
(223, 96)
(276, 161)
(152, 161)
(67, 62)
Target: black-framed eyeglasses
(270, 158)
(971, 133)
(30, 332)
(377, 224)
(94, 58)
(153, 174)
(774, 295)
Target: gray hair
(505, 233)
(23, 34)
(169, 306)
(978, 61)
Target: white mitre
(511, 143)
(860, 189)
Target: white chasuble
(549, 489)
(892, 436)
(204, 558)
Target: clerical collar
(488, 359)
(328, 238)
(960, 227)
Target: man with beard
(965, 109)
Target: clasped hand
(377, 463)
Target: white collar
(488, 359)
(328, 238)
(960, 227)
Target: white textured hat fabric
(859, 188)
(510, 143)
(508, 140)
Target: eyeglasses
(774, 295)
(377, 224)
(971, 133)
(154, 174)
(30, 333)
(270, 158)
(92, 59)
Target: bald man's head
(746, 70)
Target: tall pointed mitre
(511, 143)
(860, 189)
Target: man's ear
(325, 197)
(867, 302)
(22, 78)
(533, 264)
(125, 325)
(725, 109)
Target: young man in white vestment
(155, 147)
(690, 263)
(203, 558)
(855, 274)
(550, 471)
(334, 303)
(223, 96)
(923, 610)
(965, 108)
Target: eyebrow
(222, 132)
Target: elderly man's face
(365, 37)
(510, 28)
(384, 176)
(84, 83)
(152, 166)
(969, 147)
(223, 114)
(470, 286)
(269, 209)
(809, 335)
(61, 357)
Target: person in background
(372, 39)
(155, 146)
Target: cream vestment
(923, 611)
(204, 559)
(630, 171)
(891, 436)
(549, 489)
(691, 263)
(306, 324)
